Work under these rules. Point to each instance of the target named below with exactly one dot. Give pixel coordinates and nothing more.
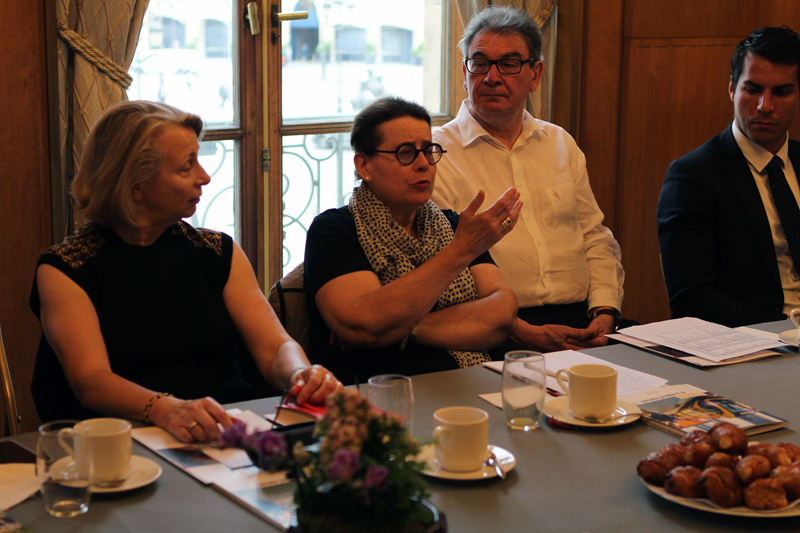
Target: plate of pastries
(722, 472)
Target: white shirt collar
(471, 130)
(757, 155)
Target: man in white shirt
(563, 264)
(728, 217)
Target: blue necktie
(787, 208)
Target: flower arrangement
(360, 476)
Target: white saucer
(789, 336)
(143, 472)
(505, 459)
(559, 409)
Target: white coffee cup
(462, 438)
(110, 447)
(592, 391)
(795, 320)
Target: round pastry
(777, 456)
(792, 450)
(675, 450)
(684, 481)
(695, 437)
(788, 477)
(721, 486)
(654, 468)
(728, 438)
(721, 459)
(755, 448)
(696, 454)
(765, 493)
(752, 467)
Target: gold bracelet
(150, 403)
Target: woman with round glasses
(394, 285)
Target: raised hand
(477, 232)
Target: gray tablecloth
(564, 481)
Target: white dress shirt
(559, 252)
(759, 158)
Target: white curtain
(96, 46)
(544, 13)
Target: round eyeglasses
(407, 153)
(480, 65)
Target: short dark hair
(366, 135)
(504, 20)
(779, 45)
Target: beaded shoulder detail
(79, 247)
(199, 237)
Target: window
(198, 56)
(173, 33)
(217, 41)
(366, 49)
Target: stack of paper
(697, 342)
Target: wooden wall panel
(664, 68)
(600, 106)
(673, 100)
(649, 19)
(25, 223)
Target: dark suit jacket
(716, 244)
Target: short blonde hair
(121, 153)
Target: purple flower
(233, 436)
(376, 477)
(270, 444)
(343, 466)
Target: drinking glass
(524, 389)
(393, 393)
(65, 485)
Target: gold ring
(506, 223)
(193, 425)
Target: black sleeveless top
(161, 311)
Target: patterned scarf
(393, 253)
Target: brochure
(681, 409)
(267, 494)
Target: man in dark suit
(728, 217)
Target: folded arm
(361, 312)
(476, 325)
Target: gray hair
(504, 20)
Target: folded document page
(699, 338)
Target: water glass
(61, 448)
(524, 389)
(393, 393)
